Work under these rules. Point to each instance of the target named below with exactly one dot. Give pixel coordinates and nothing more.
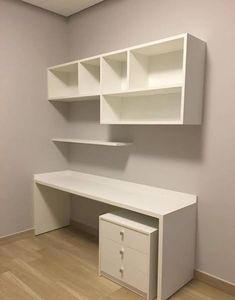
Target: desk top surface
(148, 200)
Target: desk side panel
(51, 209)
(177, 241)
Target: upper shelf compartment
(63, 81)
(157, 64)
(89, 76)
(165, 84)
(114, 72)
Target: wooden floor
(62, 265)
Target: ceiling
(63, 7)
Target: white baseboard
(216, 282)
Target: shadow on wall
(84, 123)
(185, 142)
(62, 108)
(87, 211)
(182, 142)
(173, 142)
(84, 111)
(104, 157)
(63, 148)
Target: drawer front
(130, 238)
(124, 255)
(125, 273)
(111, 267)
(135, 278)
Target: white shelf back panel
(63, 81)
(151, 71)
(159, 47)
(153, 108)
(114, 72)
(89, 76)
(166, 69)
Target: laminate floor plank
(63, 265)
(13, 288)
(199, 290)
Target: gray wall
(193, 159)
(31, 39)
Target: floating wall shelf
(93, 142)
(156, 83)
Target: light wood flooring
(62, 265)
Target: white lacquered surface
(131, 220)
(128, 250)
(92, 142)
(144, 199)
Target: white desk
(175, 212)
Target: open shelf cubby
(160, 82)
(156, 65)
(89, 76)
(114, 72)
(63, 81)
(149, 107)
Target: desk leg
(51, 209)
(176, 256)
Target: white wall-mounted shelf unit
(92, 142)
(156, 83)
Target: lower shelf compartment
(144, 109)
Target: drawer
(111, 267)
(135, 278)
(123, 272)
(124, 255)
(131, 238)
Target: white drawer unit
(128, 251)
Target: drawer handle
(122, 252)
(122, 234)
(121, 269)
